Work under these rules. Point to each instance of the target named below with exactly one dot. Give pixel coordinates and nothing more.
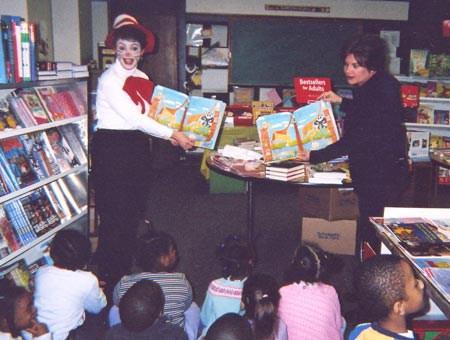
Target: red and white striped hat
(128, 20)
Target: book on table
(296, 176)
(418, 236)
(284, 135)
(198, 118)
(437, 270)
(286, 167)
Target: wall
(72, 30)
(40, 12)
(14, 7)
(99, 24)
(348, 9)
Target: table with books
(422, 237)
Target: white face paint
(128, 53)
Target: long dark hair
(261, 299)
(369, 51)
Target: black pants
(121, 170)
(372, 201)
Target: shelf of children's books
(42, 83)
(41, 127)
(413, 79)
(436, 100)
(17, 193)
(21, 253)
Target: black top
(160, 330)
(374, 137)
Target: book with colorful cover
(34, 216)
(441, 117)
(419, 236)
(437, 269)
(18, 218)
(410, 95)
(308, 89)
(7, 231)
(284, 135)
(60, 148)
(198, 118)
(33, 103)
(418, 63)
(18, 162)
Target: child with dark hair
(309, 307)
(261, 299)
(17, 314)
(141, 312)
(64, 291)
(224, 294)
(156, 258)
(389, 291)
(230, 326)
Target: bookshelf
(63, 189)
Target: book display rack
(43, 167)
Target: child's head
(70, 250)
(229, 326)
(235, 257)
(156, 252)
(309, 264)
(16, 308)
(386, 284)
(261, 298)
(141, 305)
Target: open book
(283, 135)
(197, 117)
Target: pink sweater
(311, 311)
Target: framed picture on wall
(105, 57)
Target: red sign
(446, 28)
(308, 89)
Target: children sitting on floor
(230, 326)
(388, 292)
(156, 258)
(224, 294)
(64, 291)
(309, 307)
(17, 314)
(141, 312)
(261, 298)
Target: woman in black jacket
(374, 138)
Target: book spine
(19, 222)
(25, 35)
(32, 36)
(8, 170)
(17, 48)
(8, 47)
(3, 75)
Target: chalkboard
(274, 51)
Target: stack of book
(327, 173)
(245, 142)
(286, 171)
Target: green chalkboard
(274, 51)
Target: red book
(307, 90)
(410, 95)
(17, 48)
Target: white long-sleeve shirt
(62, 296)
(116, 110)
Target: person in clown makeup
(120, 147)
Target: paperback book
(198, 118)
(33, 104)
(437, 269)
(284, 135)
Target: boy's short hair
(380, 283)
(70, 250)
(141, 305)
(230, 326)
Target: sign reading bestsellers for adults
(307, 90)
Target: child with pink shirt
(309, 307)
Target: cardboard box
(329, 203)
(337, 237)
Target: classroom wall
(348, 9)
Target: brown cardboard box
(329, 203)
(337, 237)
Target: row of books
(426, 241)
(29, 216)
(26, 107)
(423, 63)
(61, 70)
(429, 113)
(17, 50)
(29, 158)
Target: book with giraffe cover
(284, 135)
(198, 118)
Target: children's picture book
(410, 95)
(419, 145)
(284, 135)
(441, 117)
(262, 108)
(425, 114)
(419, 236)
(198, 118)
(309, 89)
(439, 65)
(33, 103)
(437, 269)
(418, 63)
(63, 155)
(15, 159)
